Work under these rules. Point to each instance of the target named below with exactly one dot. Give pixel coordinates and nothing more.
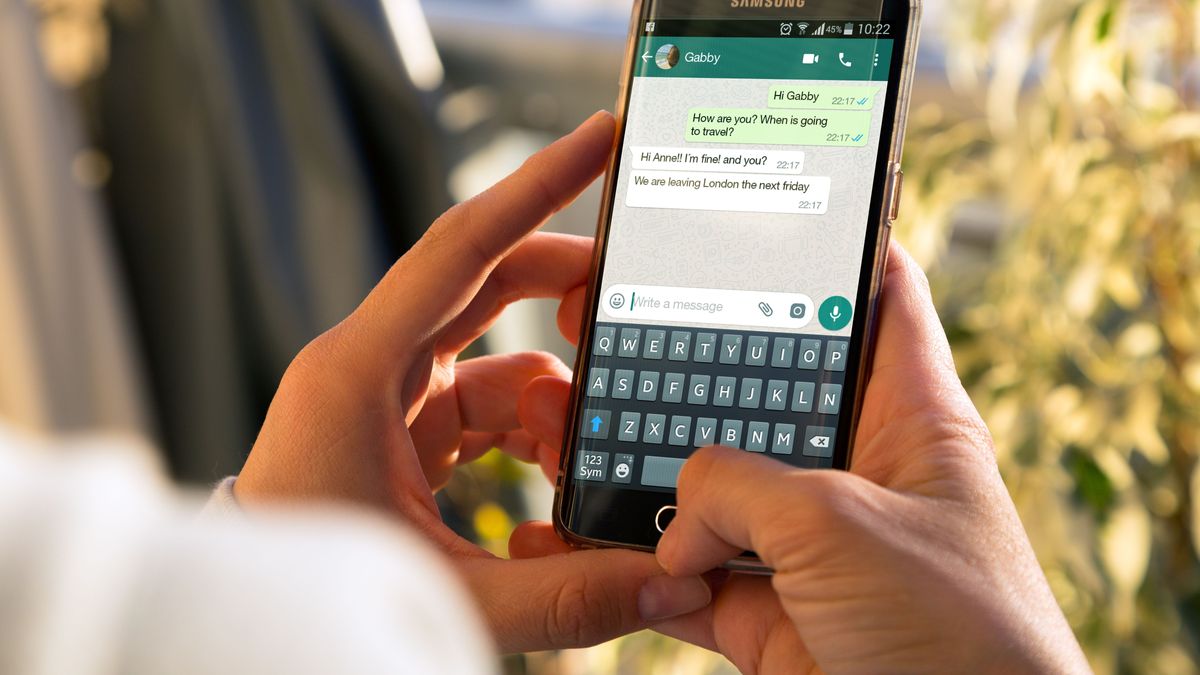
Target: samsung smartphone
(742, 243)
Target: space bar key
(661, 471)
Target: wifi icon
(801, 28)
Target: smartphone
(741, 246)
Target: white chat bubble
(755, 193)
(722, 161)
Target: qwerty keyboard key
(756, 351)
(622, 386)
(706, 348)
(622, 469)
(592, 465)
(681, 430)
(731, 433)
(672, 388)
(776, 395)
(731, 349)
(661, 471)
(603, 344)
(810, 355)
(628, 347)
(681, 345)
(819, 441)
(595, 424)
(756, 436)
(784, 435)
(802, 397)
(835, 355)
(627, 429)
(781, 352)
(598, 383)
(656, 341)
(698, 390)
(723, 392)
(751, 393)
(831, 399)
(655, 427)
(648, 386)
(706, 432)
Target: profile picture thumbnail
(667, 57)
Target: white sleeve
(103, 570)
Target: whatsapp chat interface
(738, 228)
(744, 182)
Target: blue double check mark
(862, 101)
(857, 138)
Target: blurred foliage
(1074, 128)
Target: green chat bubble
(821, 97)
(778, 127)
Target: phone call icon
(842, 58)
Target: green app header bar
(763, 58)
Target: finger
(432, 284)
(579, 598)
(489, 387)
(542, 409)
(743, 610)
(570, 314)
(519, 444)
(731, 501)
(544, 266)
(914, 377)
(537, 539)
(480, 396)
(911, 338)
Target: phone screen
(738, 255)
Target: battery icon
(849, 29)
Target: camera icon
(798, 311)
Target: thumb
(732, 501)
(578, 599)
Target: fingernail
(663, 597)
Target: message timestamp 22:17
(810, 205)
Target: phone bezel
(634, 523)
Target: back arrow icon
(646, 57)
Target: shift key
(595, 424)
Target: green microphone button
(835, 313)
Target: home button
(663, 518)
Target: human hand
(914, 561)
(379, 410)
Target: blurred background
(190, 190)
